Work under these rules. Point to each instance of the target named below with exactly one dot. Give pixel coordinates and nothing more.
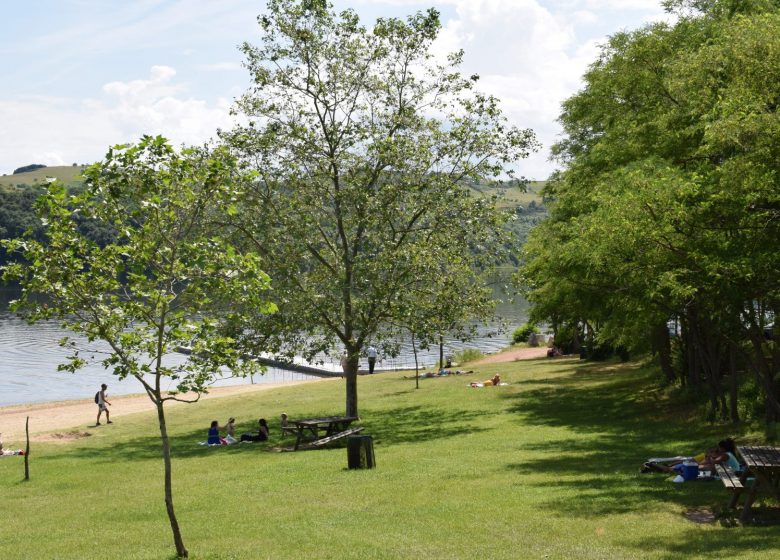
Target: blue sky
(80, 75)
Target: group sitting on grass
(214, 437)
(724, 454)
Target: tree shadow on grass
(409, 424)
(725, 543)
(417, 424)
(622, 422)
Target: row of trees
(346, 187)
(666, 220)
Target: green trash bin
(360, 452)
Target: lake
(29, 355)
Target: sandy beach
(512, 355)
(66, 417)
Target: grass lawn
(546, 467)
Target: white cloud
(532, 55)
(56, 131)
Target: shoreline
(68, 415)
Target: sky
(77, 76)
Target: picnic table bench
(319, 431)
(322, 441)
(762, 463)
(729, 477)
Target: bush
(522, 332)
(468, 355)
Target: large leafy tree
(667, 208)
(168, 278)
(364, 144)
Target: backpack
(97, 397)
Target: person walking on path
(103, 404)
(371, 353)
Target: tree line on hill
(18, 217)
(26, 168)
(665, 224)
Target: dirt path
(71, 418)
(513, 355)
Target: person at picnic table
(723, 454)
(261, 435)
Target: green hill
(68, 174)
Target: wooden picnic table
(324, 429)
(762, 464)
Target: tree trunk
(733, 384)
(441, 352)
(181, 551)
(663, 346)
(350, 375)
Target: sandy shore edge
(66, 416)
(512, 355)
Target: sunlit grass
(545, 467)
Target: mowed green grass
(70, 175)
(545, 467)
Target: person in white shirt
(371, 353)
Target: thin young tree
(166, 279)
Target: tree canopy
(665, 218)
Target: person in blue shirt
(214, 438)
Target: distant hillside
(512, 196)
(70, 175)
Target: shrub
(522, 332)
(468, 355)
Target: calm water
(29, 355)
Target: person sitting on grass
(230, 431)
(214, 438)
(261, 435)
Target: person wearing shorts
(103, 405)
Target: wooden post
(416, 366)
(27, 450)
